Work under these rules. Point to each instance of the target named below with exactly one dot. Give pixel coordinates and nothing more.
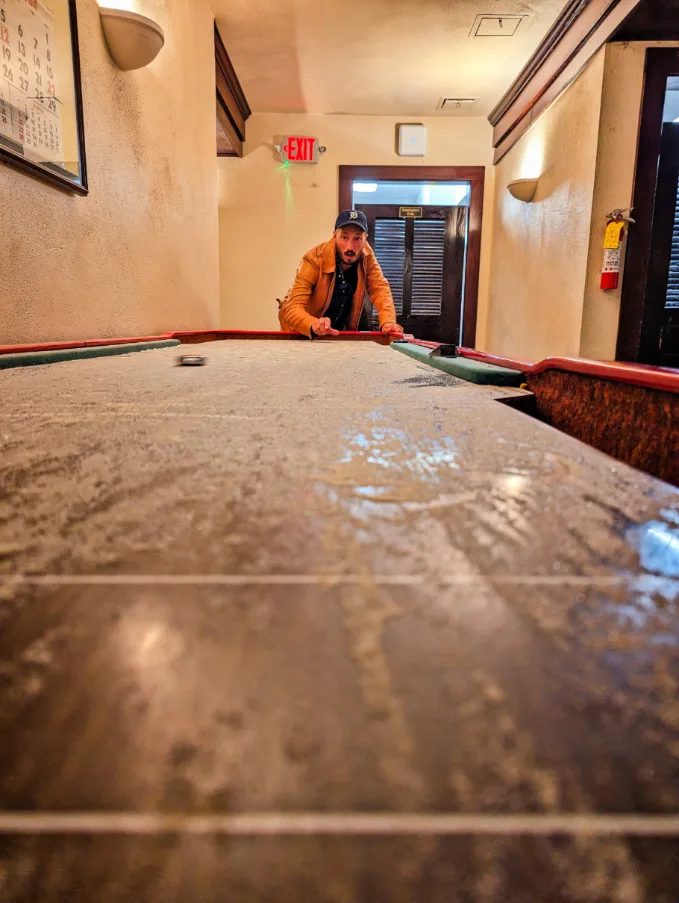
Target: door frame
(635, 314)
(476, 176)
(658, 316)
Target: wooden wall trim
(578, 34)
(532, 67)
(231, 133)
(476, 176)
(233, 109)
(660, 63)
(654, 20)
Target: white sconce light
(133, 41)
(523, 189)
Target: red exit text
(295, 149)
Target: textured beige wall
(540, 250)
(270, 216)
(139, 254)
(614, 186)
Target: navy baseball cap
(352, 218)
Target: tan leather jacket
(312, 290)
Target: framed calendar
(41, 111)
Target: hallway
(319, 619)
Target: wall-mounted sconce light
(523, 189)
(133, 41)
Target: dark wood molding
(471, 294)
(578, 34)
(225, 144)
(660, 64)
(233, 110)
(233, 137)
(658, 322)
(563, 23)
(653, 20)
(226, 67)
(476, 176)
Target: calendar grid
(30, 108)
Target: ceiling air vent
(456, 103)
(495, 26)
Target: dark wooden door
(660, 327)
(423, 259)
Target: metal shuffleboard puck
(191, 360)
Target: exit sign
(298, 149)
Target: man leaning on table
(327, 295)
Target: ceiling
(379, 57)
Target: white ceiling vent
(456, 103)
(495, 26)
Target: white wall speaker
(412, 140)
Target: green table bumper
(33, 358)
(463, 367)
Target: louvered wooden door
(660, 329)
(423, 259)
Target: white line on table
(324, 580)
(284, 824)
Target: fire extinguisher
(615, 234)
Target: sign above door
(299, 149)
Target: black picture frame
(50, 172)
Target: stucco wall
(139, 254)
(614, 186)
(540, 250)
(270, 216)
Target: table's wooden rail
(216, 335)
(190, 337)
(82, 343)
(660, 378)
(629, 411)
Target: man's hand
(323, 326)
(393, 330)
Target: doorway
(649, 315)
(425, 229)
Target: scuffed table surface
(325, 578)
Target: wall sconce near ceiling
(133, 41)
(523, 189)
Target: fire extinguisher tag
(611, 260)
(614, 233)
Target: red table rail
(660, 378)
(82, 343)
(188, 337)
(212, 335)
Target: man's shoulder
(322, 257)
(320, 251)
(368, 252)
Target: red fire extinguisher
(615, 234)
